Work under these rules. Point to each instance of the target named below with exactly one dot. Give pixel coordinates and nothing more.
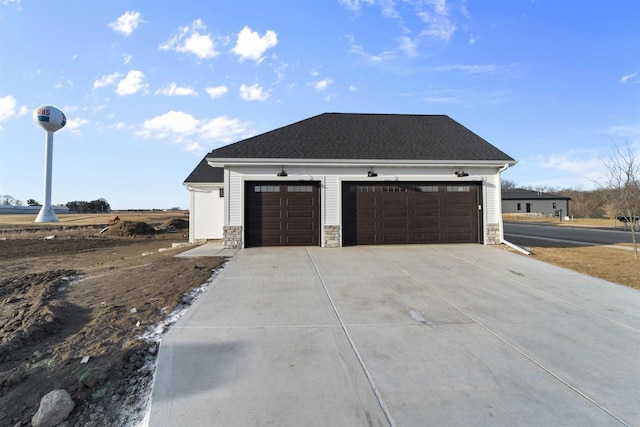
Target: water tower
(50, 119)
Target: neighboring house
(340, 179)
(530, 201)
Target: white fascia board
(195, 186)
(221, 162)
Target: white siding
(206, 213)
(331, 197)
(236, 198)
(492, 199)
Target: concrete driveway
(429, 335)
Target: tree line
(79, 206)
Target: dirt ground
(85, 294)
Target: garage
(410, 213)
(282, 214)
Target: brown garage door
(282, 214)
(378, 214)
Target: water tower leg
(47, 213)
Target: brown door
(282, 214)
(378, 214)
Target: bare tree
(6, 199)
(622, 181)
(508, 184)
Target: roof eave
(223, 162)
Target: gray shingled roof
(205, 173)
(367, 136)
(521, 194)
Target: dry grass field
(615, 265)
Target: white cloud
(253, 93)
(132, 84)
(119, 125)
(355, 4)
(194, 147)
(385, 56)
(174, 90)
(184, 128)
(585, 165)
(216, 91)
(408, 46)
(322, 84)
(126, 58)
(627, 77)
(439, 26)
(224, 129)
(251, 46)
(623, 131)
(315, 73)
(470, 69)
(74, 124)
(176, 123)
(192, 39)
(7, 107)
(353, 88)
(435, 22)
(106, 80)
(127, 23)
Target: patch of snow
(417, 316)
(154, 335)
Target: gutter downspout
(502, 239)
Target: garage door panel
(299, 213)
(395, 238)
(395, 225)
(457, 200)
(265, 226)
(427, 237)
(462, 211)
(434, 212)
(270, 214)
(294, 202)
(425, 212)
(457, 224)
(427, 225)
(365, 213)
(278, 214)
(270, 202)
(366, 226)
(395, 213)
(391, 201)
(452, 237)
(300, 226)
(302, 240)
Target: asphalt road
(587, 235)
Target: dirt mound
(177, 223)
(131, 228)
(29, 312)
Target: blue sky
(149, 87)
